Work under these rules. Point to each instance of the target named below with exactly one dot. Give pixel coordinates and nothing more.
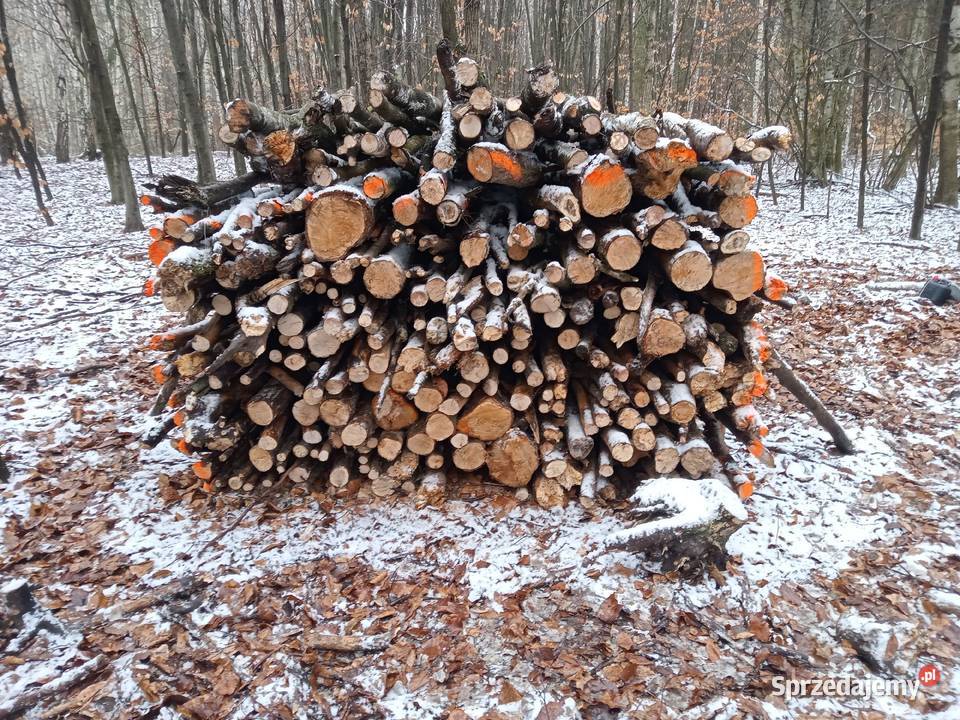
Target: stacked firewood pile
(536, 291)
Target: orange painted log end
(749, 208)
(158, 250)
(774, 287)
(374, 187)
(759, 384)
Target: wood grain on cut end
(337, 221)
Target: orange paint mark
(745, 490)
(156, 232)
(374, 187)
(179, 418)
(159, 374)
(758, 271)
(749, 207)
(207, 487)
(146, 200)
(183, 447)
(149, 287)
(774, 287)
(763, 431)
(506, 164)
(202, 470)
(215, 225)
(681, 153)
(605, 174)
(159, 249)
(759, 384)
(756, 448)
(159, 342)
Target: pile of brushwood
(417, 294)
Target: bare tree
(864, 114)
(947, 189)
(934, 105)
(190, 99)
(99, 77)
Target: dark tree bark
(947, 184)
(934, 105)
(348, 76)
(100, 79)
(266, 52)
(189, 97)
(448, 21)
(245, 84)
(283, 57)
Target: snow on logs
(529, 290)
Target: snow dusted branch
(695, 518)
(14, 706)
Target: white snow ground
(867, 542)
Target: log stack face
(529, 290)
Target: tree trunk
(282, 53)
(266, 50)
(189, 97)
(220, 63)
(946, 192)
(934, 104)
(144, 142)
(148, 74)
(100, 79)
(245, 85)
(864, 114)
(62, 146)
(448, 21)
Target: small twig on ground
(31, 698)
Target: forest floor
(220, 607)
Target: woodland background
(862, 83)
